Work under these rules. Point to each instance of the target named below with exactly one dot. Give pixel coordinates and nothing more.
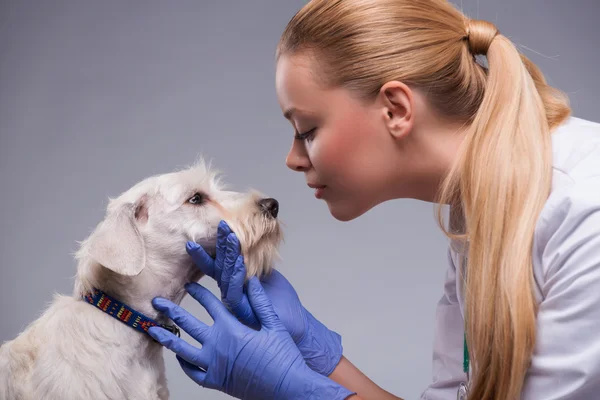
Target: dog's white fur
(75, 351)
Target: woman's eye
(308, 135)
(197, 198)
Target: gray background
(95, 96)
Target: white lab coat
(566, 268)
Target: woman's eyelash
(306, 135)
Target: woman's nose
(297, 160)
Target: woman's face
(343, 146)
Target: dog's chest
(137, 372)
(108, 359)
(144, 385)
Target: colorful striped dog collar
(124, 313)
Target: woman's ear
(398, 108)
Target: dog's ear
(117, 243)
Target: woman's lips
(319, 189)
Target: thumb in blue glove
(240, 361)
(320, 346)
(225, 255)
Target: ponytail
(500, 183)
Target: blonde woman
(388, 101)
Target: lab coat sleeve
(566, 359)
(448, 342)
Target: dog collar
(124, 313)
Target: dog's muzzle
(269, 206)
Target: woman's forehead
(296, 85)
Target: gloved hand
(238, 360)
(320, 347)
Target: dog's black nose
(269, 206)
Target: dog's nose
(270, 206)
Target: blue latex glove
(238, 360)
(320, 347)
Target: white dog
(93, 345)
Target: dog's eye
(197, 198)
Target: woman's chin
(346, 212)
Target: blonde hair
(502, 176)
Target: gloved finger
(263, 308)
(193, 372)
(208, 300)
(178, 346)
(199, 358)
(203, 261)
(186, 321)
(223, 231)
(236, 299)
(231, 255)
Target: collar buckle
(171, 328)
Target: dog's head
(140, 245)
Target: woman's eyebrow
(289, 113)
